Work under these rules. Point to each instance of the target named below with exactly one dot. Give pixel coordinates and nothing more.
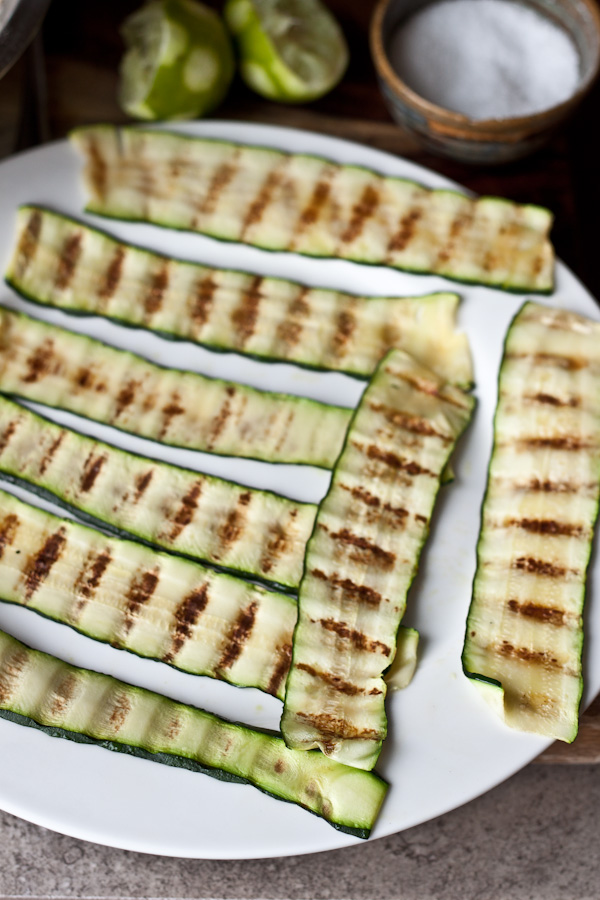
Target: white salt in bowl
(493, 140)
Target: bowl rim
(531, 122)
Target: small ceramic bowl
(487, 141)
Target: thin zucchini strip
(61, 700)
(155, 605)
(152, 604)
(309, 205)
(60, 262)
(524, 631)
(70, 371)
(362, 557)
(254, 532)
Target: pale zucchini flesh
(524, 631)
(153, 604)
(61, 262)
(309, 205)
(88, 707)
(62, 369)
(362, 557)
(254, 532)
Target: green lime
(179, 61)
(290, 50)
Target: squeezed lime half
(290, 50)
(179, 61)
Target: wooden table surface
(82, 51)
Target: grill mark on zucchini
(113, 275)
(187, 508)
(547, 526)
(98, 168)
(7, 434)
(551, 400)
(172, 409)
(125, 397)
(460, 223)
(555, 360)
(365, 550)
(91, 470)
(13, 666)
(261, 201)
(50, 453)
(557, 442)
(232, 529)
(202, 300)
(68, 259)
(332, 727)
(28, 242)
(156, 291)
(89, 578)
(540, 567)
(223, 176)
(314, 207)
(220, 419)
(283, 656)
(525, 654)
(334, 681)
(38, 362)
(8, 531)
(290, 329)
(405, 233)
(244, 316)
(140, 591)
(374, 506)
(393, 461)
(238, 636)
(186, 616)
(362, 211)
(414, 424)
(360, 592)
(345, 328)
(357, 638)
(119, 709)
(540, 613)
(62, 695)
(142, 483)
(39, 566)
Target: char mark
(290, 329)
(98, 171)
(68, 260)
(125, 397)
(398, 463)
(187, 508)
(10, 674)
(63, 694)
(169, 412)
(541, 613)
(357, 592)
(245, 315)
(361, 212)
(539, 657)
(547, 526)
(413, 424)
(7, 435)
(141, 485)
(551, 400)
(222, 177)
(238, 636)
(539, 567)
(159, 283)
(233, 527)
(220, 420)
(140, 590)
(112, 276)
(276, 545)
(261, 201)
(203, 299)
(28, 242)
(346, 326)
(336, 728)
(283, 657)
(91, 470)
(90, 577)
(312, 210)
(333, 681)
(186, 616)
(558, 442)
(50, 453)
(38, 567)
(38, 362)
(8, 530)
(121, 707)
(405, 232)
(356, 638)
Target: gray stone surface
(536, 836)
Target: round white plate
(444, 747)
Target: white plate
(445, 747)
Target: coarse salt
(487, 59)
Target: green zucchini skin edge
(113, 530)
(171, 336)
(290, 398)
(174, 760)
(89, 208)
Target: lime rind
(290, 50)
(179, 62)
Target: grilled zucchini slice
(61, 700)
(524, 631)
(362, 557)
(282, 201)
(254, 532)
(62, 369)
(60, 262)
